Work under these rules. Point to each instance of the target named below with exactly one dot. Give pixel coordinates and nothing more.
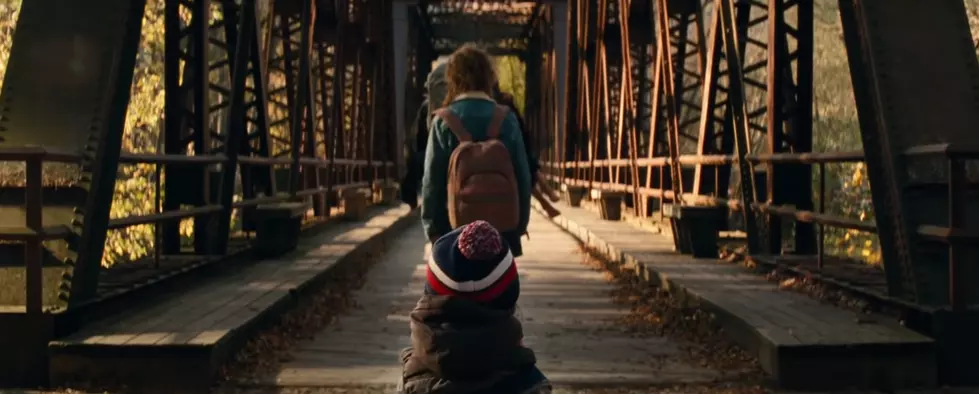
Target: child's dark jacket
(460, 346)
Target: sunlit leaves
(836, 129)
(511, 72)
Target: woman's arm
(434, 212)
(532, 164)
(515, 144)
(421, 122)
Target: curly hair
(469, 69)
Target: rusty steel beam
(258, 88)
(659, 96)
(188, 127)
(642, 97)
(897, 117)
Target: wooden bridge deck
(799, 340)
(570, 318)
(190, 333)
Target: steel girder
(501, 27)
(657, 109)
(282, 93)
(917, 124)
(678, 101)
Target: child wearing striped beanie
(474, 262)
(463, 329)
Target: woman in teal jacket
(470, 76)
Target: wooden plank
(193, 309)
(568, 317)
(181, 318)
(202, 325)
(787, 330)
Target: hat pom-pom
(479, 240)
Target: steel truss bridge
(692, 117)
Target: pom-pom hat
(474, 262)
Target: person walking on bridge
(415, 163)
(417, 140)
(475, 162)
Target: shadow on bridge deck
(569, 320)
(801, 342)
(186, 335)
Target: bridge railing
(32, 233)
(954, 234)
(582, 174)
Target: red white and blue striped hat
(474, 262)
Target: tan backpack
(482, 181)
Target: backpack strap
(499, 114)
(455, 124)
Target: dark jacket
(533, 162)
(461, 346)
(415, 162)
(475, 111)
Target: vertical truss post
(257, 179)
(387, 90)
(572, 135)
(717, 128)
(235, 119)
(552, 109)
(374, 59)
(594, 77)
(671, 77)
(356, 91)
(372, 144)
(630, 93)
(301, 126)
(655, 143)
(252, 179)
(615, 99)
(325, 61)
(789, 119)
(339, 79)
(308, 171)
(639, 32)
(705, 181)
(403, 54)
(561, 64)
(103, 164)
(173, 119)
(805, 233)
(684, 58)
(736, 98)
(187, 110)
